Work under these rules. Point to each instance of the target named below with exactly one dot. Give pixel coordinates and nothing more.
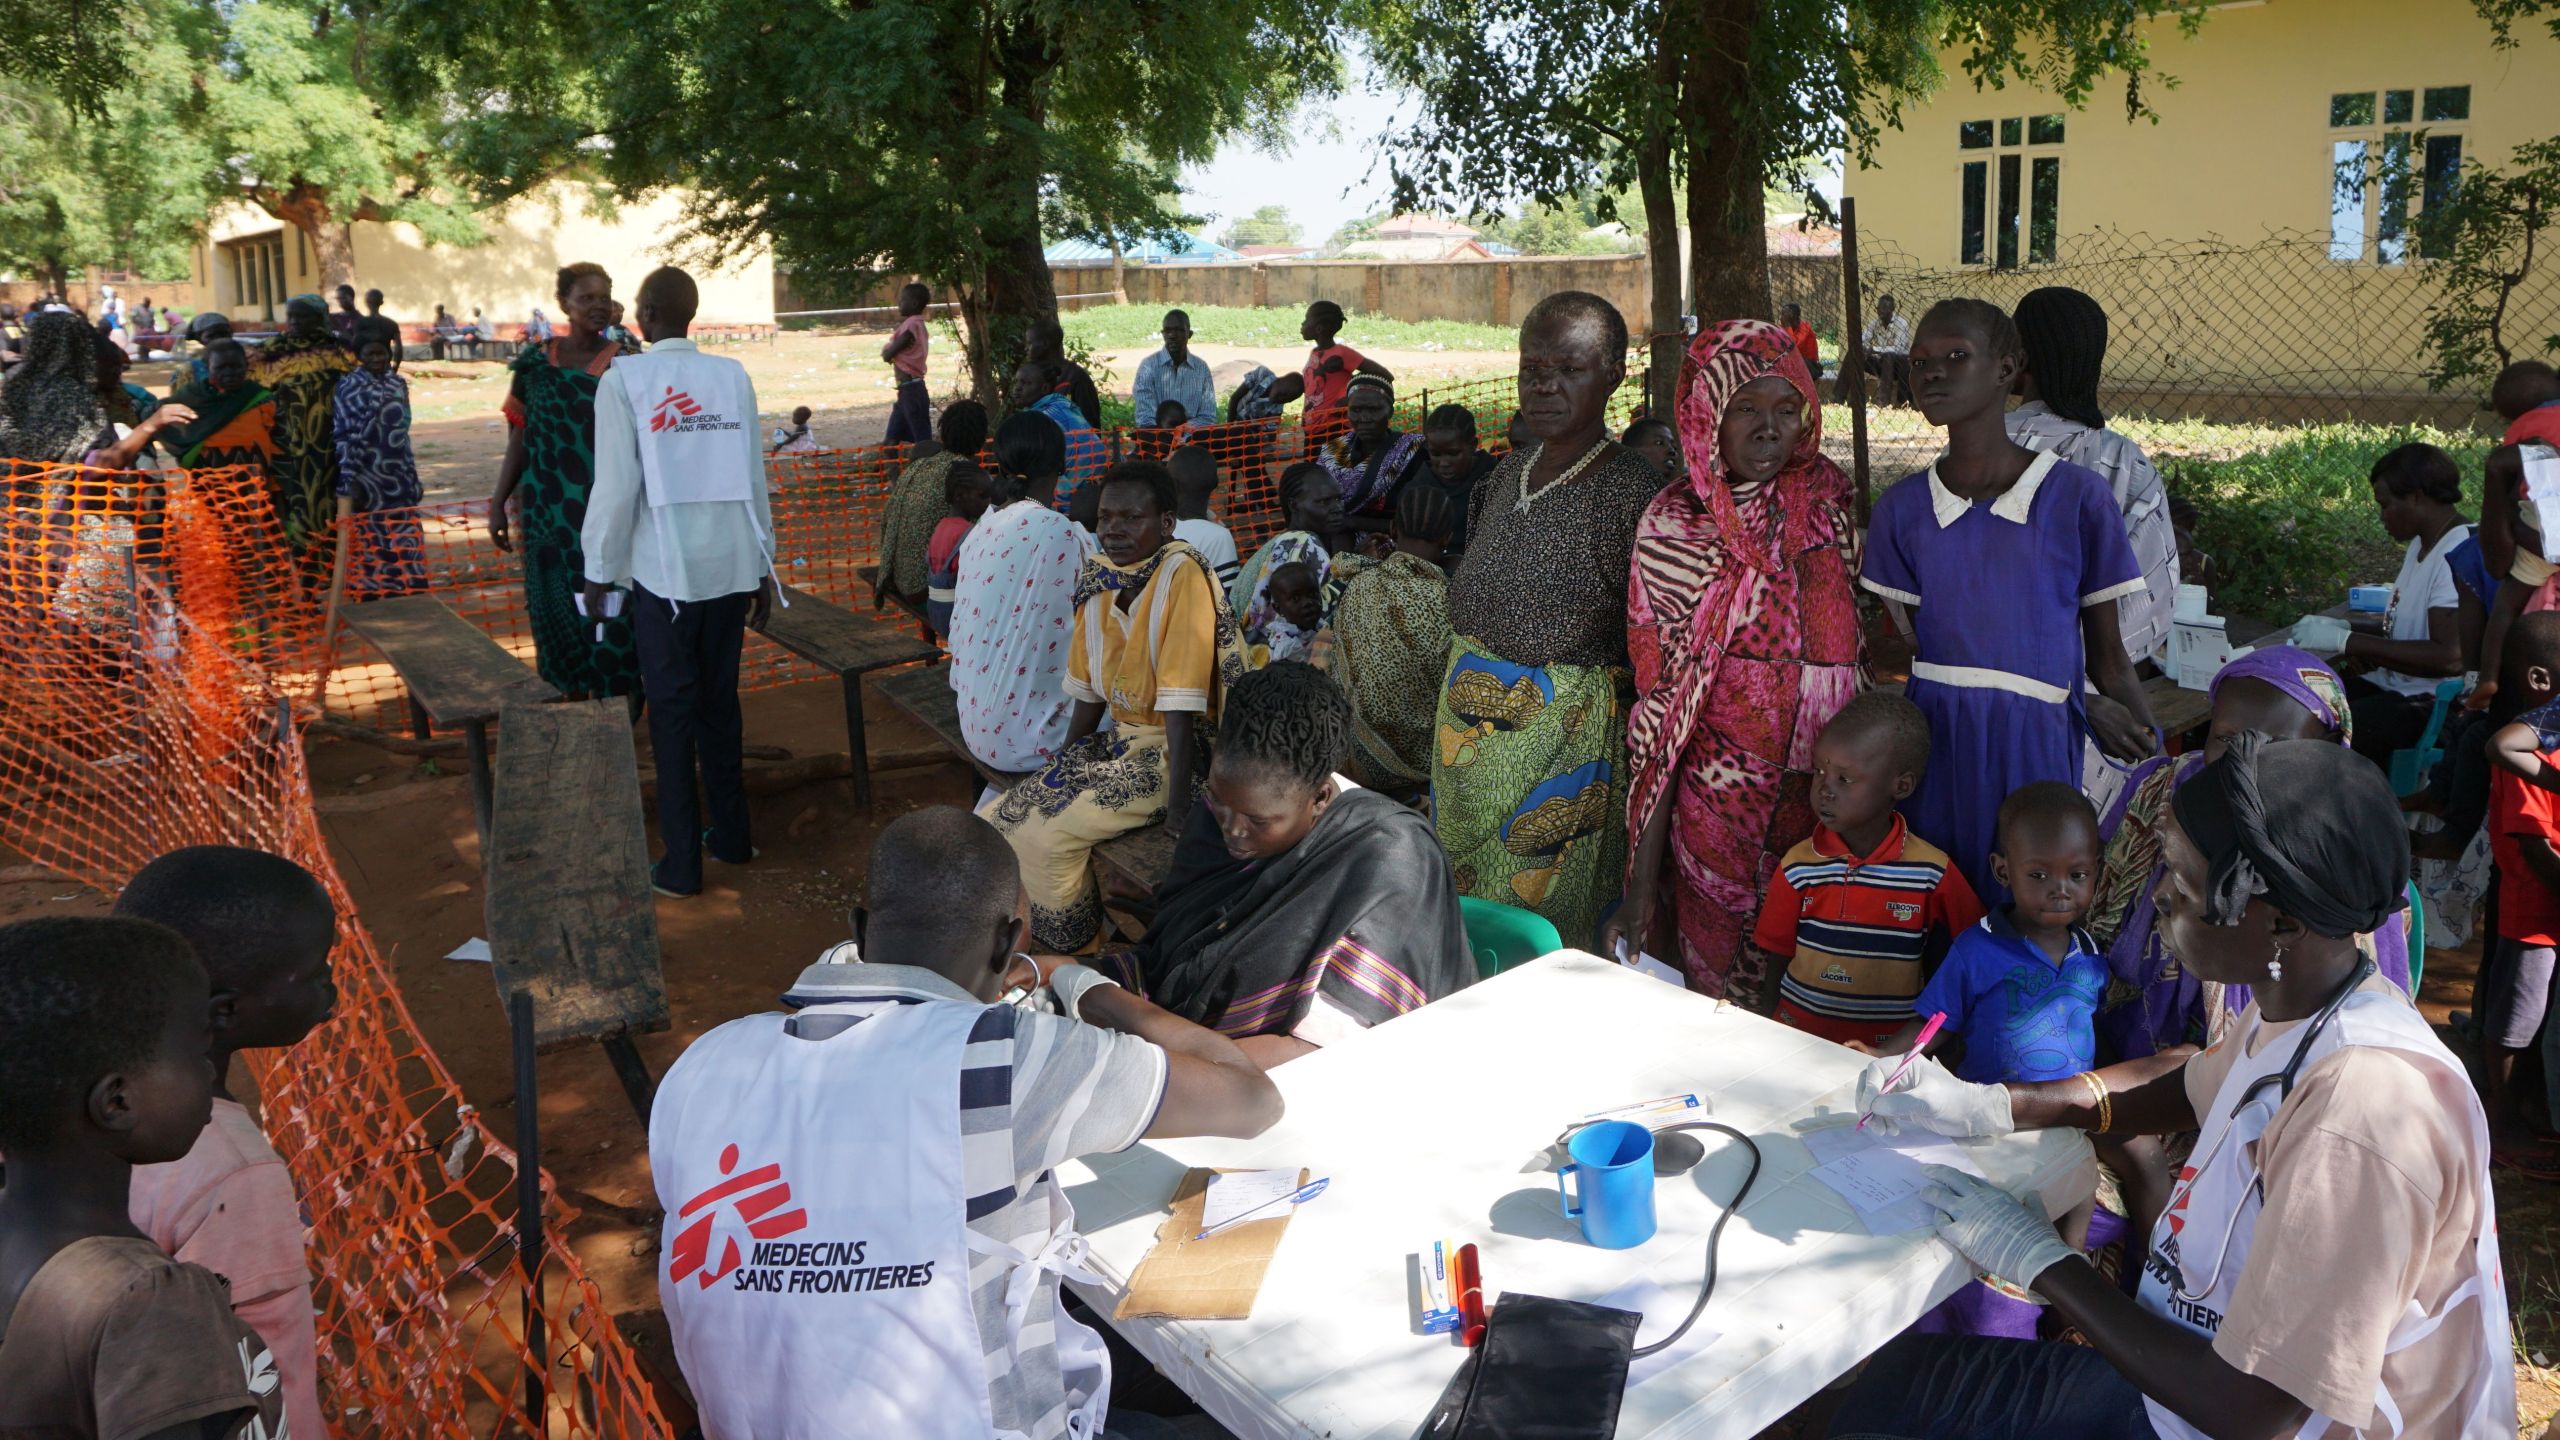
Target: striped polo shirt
(1856, 928)
(1036, 1090)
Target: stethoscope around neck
(2283, 1081)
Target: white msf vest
(816, 1255)
(697, 417)
(2201, 1243)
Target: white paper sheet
(1235, 1192)
(474, 948)
(2542, 486)
(1883, 1186)
(1661, 1310)
(1830, 1145)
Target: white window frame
(2374, 135)
(2027, 152)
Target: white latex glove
(1930, 1098)
(2321, 634)
(2003, 1236)
(1070, 982)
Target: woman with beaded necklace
(1529, 764)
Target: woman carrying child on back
(1313, 507)
(2012, 561)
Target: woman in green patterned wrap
(1529, 762)
(550, 466)
(301, 369)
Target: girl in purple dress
(2011, 562)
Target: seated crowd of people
(1623, 681)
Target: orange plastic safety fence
(826, 516)
(137, 714)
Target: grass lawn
(1121, 327)
(2285, 512)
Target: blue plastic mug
(1615, 1159)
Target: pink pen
(1928, 1033)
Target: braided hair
(1287, 717)
(1426, 512)
(1977, 317)
(2064, 333)
(1329, 315)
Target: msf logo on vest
(752, 1202)
(678, 413)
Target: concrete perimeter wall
(1483, 292)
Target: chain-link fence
(2262, 376)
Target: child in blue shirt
(2020, 992)
(2021, 989)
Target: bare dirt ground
(402, 834)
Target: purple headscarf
(2163, 1001)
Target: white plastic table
(1429, 1127)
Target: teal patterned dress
(555, 405)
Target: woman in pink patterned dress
(1743, 628)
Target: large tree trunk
(1015, 286)
(1654, 181)
(1728, 245)
(306, 209)
(1119, 272)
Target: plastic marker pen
(1928, 1033)
(1470, 1296)
(1299, 1196)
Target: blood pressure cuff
(1547, 1370)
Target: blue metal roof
(1185, 248)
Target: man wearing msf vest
(864, 1231)
(678, 513)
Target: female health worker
(2328, 1262)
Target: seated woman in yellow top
(1155, 642)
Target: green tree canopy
(271, 102)
(123, 186)
(1269, 225)
(1542, 100)
(922, 136)
(1551, 230)
(295, 105)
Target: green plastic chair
(2409, 767)
(1504, 935)
(2417, 939)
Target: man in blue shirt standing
(1175, 374)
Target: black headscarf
(2065, 334)
(2337, 858)
(49, 410)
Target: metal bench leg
(633, 1073)
(529, 1208)
(475, 738)
(861, 751)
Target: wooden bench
(914, 608)
(456, 675)
(1142, 857)
(571, 921)
(851, 645)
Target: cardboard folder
(1184, 1278)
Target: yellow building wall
(509, 273)
(2240, 153)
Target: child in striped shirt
(1858, 912)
